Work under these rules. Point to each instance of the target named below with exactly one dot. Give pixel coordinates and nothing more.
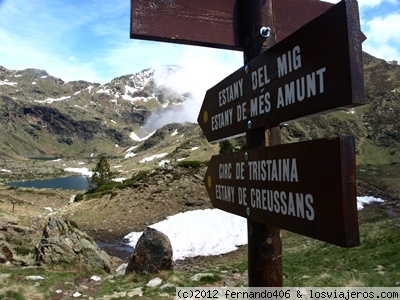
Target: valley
(54, 129)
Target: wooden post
(264, 242)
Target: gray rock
(153, 253)
(6, 220)
(63, 243)
(167, 285)
(154, 282)
(34, 277)
(120, 271)
(135, 292)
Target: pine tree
(101, 173)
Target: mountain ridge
(45, 116)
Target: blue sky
(89, 40)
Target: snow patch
(153, 157)
(75, 105)
(6, 82)
(119, 179)
(131, 148)
(136, 138)
(200, 232)
(164, 162)
(103, 91)
(129, 89)
(209, 232)
(361, 201)
(130, 154)
(133, 99)
(83, 171)
(51, 100)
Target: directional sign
(212, 23)
(307, 187)
(316, 69)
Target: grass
(306, 262)
(375, 262)
(15, 286)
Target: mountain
(42, 116)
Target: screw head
(249, 124)
(246, 69)
(265, 32)
(246, 155)
(248, 211)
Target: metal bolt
(246, 69)
(265, 32)
(248, 211)
(249, 124)
(246, 155)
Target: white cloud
(201, 69)
(380, 22)
(383, 36)
(383, 29)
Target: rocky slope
(42, 116)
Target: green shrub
(23, 250)
(226, 147)
(78, 197)
(194, 164)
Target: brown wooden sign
(212, 23)
(307, 187)
(316, 69)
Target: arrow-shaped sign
(307, 187)
(316, 69)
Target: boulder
(63, 243)
(153, 253)
(6, 253)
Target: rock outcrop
(63, 243)
(153, 253)
(6, 254)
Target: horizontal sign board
(307, 187)
(212, 23)
(316, 69)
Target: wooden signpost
(315, 67)
(212, 23)
(306, 187)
